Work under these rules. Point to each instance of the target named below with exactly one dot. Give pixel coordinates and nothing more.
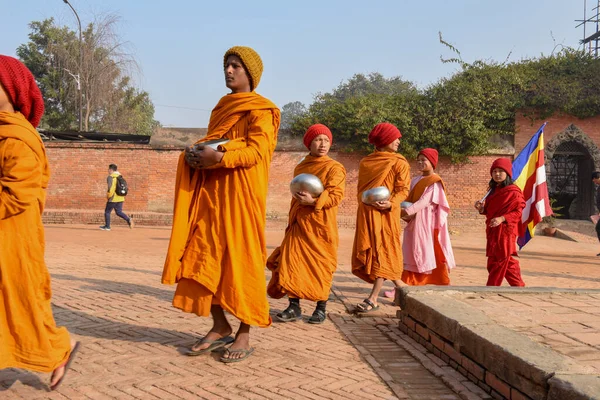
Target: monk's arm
(335, 186)
(401, 185)
(20, 178)
(425, 200)
(261, 135)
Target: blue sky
(307, 46)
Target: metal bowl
(405, 204)
(380, 193)
(214, 144)
(307, 183)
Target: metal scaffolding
(590, 24)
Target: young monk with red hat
(217, 251)
(503, 208)
(304, 264)
(377, 250)
(426, 248)
(29, 337)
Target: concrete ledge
(574, 387)
(96, 217)
(407, 290)
(491, 354)
(141, 218)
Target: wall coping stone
(523, 363)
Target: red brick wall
(527, 126)
(79, 173)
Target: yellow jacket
(112, 186)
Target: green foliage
(550, 220)
(110, 102)
(458, 115)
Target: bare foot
(215, 333)
(59, 372)
(242, 342)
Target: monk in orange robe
(304, 264)
(217, 251)
(29, 337)
(377, 250)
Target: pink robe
(431, 214)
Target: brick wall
(452, 356)
(526, 126)
(79, 173)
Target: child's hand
(305, 198)
(479, 206)
(382, 205)
(494, 222)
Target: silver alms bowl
(380, 193)
(405, 204)
(307, 183)
(214, 144)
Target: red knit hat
(315, 130)
(384, 134)
(503, 163)
(21, 89)
(431, 155)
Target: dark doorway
(570, 180)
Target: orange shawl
(29, 337)
(218, 238)
(377, 252)
(304, 264)
(419, 188)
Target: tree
(289, 113)
(354, 107)
(458, 115)
(110, 101)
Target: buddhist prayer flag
(529, 174)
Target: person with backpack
(117, 190)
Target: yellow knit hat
(251, 61)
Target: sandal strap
(369, 302)
(289, 312)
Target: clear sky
(307, 46)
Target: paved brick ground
(107, 291)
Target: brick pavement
(107, 291)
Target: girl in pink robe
(426, 247)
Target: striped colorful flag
(529, 174)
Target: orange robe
(377, 250)
(440, 275)
(304, 264)
(29, 337)
(217, 251)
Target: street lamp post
(78, 78)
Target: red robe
(507, 202)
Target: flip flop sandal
(245, 352)
(213, 345)
(366, 306)
(66, 365)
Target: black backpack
(121, 188)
